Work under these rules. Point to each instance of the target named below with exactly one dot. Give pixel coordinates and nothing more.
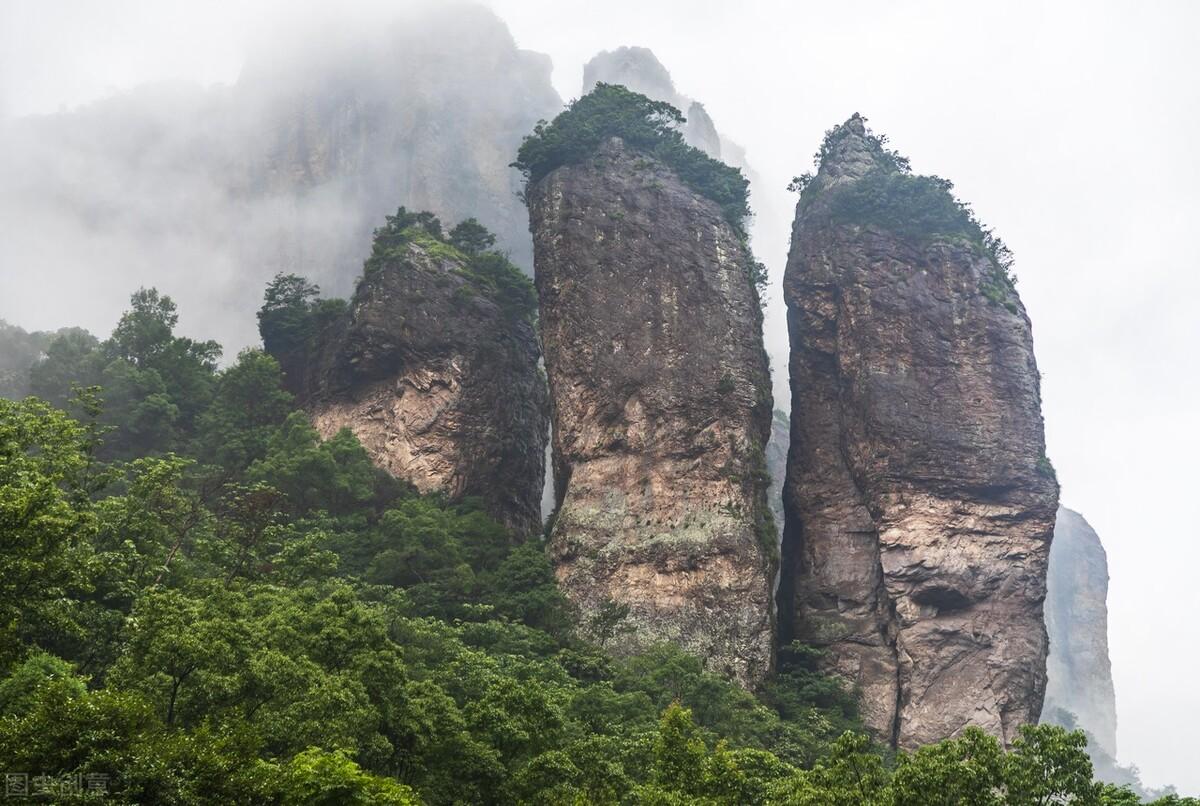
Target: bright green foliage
(319, 778)
(44, 461)
(248, 403)
(969, 769)
(335, 475)
(270, 621)
(652, 127)
(19, 691)
(1049, 765)
(1119, 796)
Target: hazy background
(1068, 126)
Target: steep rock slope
(920, 505)
(661, 406)
(641, 71)
(436, 373)
(1078, 671)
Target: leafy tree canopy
(257, 615)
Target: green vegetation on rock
(469, 244)
(651, 127)
(919, 208)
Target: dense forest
(205, 602)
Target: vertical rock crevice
(919, 501)
(652, 335)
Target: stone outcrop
(439, 381)
(1079, 674)
(920, 505)
(661, 408)
(641, 71)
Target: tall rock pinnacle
(1078, 672)
(434, 367)
(661, 406)
(920, 504)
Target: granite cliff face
(1078, 671)
(661, 409)
(919, 502)
(438, 378)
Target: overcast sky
(1069, 126)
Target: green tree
(1049, 765)
(248, 404)
(965, 771)
(283, 317)
(145, 338)
(679, 753)
(45, 521)
(334, 475)
(471, 237)
(320, 778)
(69, 360)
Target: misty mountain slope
(1078, 671)
(207, 193)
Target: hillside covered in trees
(205, 602)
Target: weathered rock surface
(919, 502)
(440, 383)
(661, 407)
(1078, 671)
(641, 71)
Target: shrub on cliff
(652, 127)
(918, 207)
(468, 243)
